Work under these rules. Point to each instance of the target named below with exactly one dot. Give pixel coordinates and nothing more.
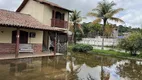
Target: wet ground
(72, 67)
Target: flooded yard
(72, 67)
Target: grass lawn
(115, 54)
(112, 53)
(109, 52)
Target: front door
(23, 37)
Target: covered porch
(27, 42)
(23, 29)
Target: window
(32, 34)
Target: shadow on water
(76, 66)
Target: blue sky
(132, 14)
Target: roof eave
(55, 6)
(26, 1)
(24, 27)
(22, 5)
(64, 9)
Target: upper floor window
(58, 15)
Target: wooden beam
(17, 43)
(54, 17)
(55, 42)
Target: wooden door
(23, 37)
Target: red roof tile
(16, 19)
(43, 2)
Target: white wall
(35, 9)
(98, 41)
(47, 15)
(6, 35)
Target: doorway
(23, 37)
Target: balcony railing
(59, 23)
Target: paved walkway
(27, 55)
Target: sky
(132, 14)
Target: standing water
(73, 67)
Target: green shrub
(82, 48)
(133, 43)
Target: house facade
(37, 22)
(46, 12)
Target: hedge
(82, 48)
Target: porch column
(55, 42)
(54, 17)
(17, 43)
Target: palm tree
(75, 18)
(104, 12)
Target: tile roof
(52, 4)
(43, 2)
(16, 19)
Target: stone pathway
(27, 55)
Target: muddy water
(73, 67)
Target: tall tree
(75, 18)
(95, 30)
(109, 30)
(104, 12)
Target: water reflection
(44, 68)
(108, 68)
(72, 67)
(131, 70)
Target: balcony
(59, 23)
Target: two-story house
(38, 22)
(50, 14)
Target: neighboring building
(126, 34)
(115, 32)
(37, 22)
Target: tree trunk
(131, 53)
(74, 26)
(104, 21)
(134, 53)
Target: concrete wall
(38, 38)
(47, 15)
(98, 41)
(6, 35)
(35, 9)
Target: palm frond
(115, 11)
(116, 19)
(97, 10)
(80, 28)
(92, 14)
(75, 16)
(98, 20)
(105, 6)
(77, 25)
(111, 4)
(78, 20)
(71, 27)
(105, 11)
